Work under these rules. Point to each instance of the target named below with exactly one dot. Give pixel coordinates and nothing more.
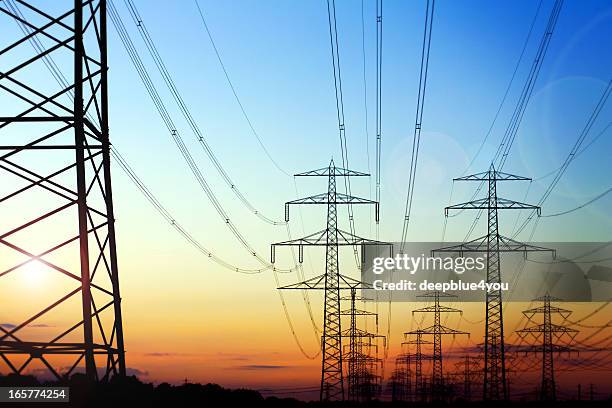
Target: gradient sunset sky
(187, 317)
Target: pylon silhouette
(545, 332)
(494, 384)
(332, 281)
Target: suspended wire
(509, 136)
(572, 154)
(591, 314)
(335, 53)
(169, 81)
(379, 56)
(503, 100)
(517, 116)
(591, 201)
(365, 90)
(550, 173)
(305, 294)
(62, 81)
(172, 220)
(235, 93)
(290, 323)
(178, 140)
(450, 200)
(365, 102)
(419, 116)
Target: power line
(235, 93)
(517, 116)
(159, 207)
(503, 100)
(507, 140)
(169, 81)
(365, 90)
(603, 131)
(142, 72)
(419, 115)
(184, 151)
(379, 55)
(572, 154)
(61, 79)
(335, 53)
(591, 201)
(260, 141)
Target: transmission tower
(494, 384)
(545, 333)
(471, 371)
(419, 383)
(57, 197)
(332, 281)
(361, 365)
(437, 330)
(401, 378)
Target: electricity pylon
(332, 281)
(358, 358)
(401, 378)
(471, 371)
(494, 384)
(419, 383)
(545, 332)
(57, 198)
(437, 330)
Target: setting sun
(33, 273)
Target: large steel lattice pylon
(550, 335)
(332, 281)
(58, 258)
(493, 244)
(437, 330)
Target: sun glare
(33, 273)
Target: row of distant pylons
(360, 359)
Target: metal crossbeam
(60, 119)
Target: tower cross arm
(541, 328)
(552, 309)
(442, 330)
(492, 175)
(318, 282)
(333, 171)
(484, 204)
(320, 239)
(324, 198)
(434, 308)
(480, 245)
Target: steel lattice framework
(401, 378)
(471, 371)
(548, 333)
(437, 330)
(332, 281)
(363, 384)
(419, 380)
(494, 384)
(56, 198)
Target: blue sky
(278, 56)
